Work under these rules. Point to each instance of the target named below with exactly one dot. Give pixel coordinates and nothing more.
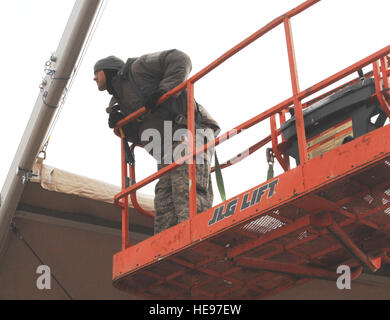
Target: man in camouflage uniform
(141, 82)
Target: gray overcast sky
(328, 37)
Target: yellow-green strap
(270, 172)
(219, 178)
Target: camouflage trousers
(172, 195)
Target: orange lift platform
(331, 209)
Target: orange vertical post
(384, 68)
(299, 122)
(191, 148)
(125, 202)
(274, 138)
(282, 119)
(379, 87)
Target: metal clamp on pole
(26, 175)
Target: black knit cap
(110, 62)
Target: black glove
(151, 102)
(131, 131)
(114, 117)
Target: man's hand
(151, 102)
(114, 117)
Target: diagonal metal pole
(63, 63)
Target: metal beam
(372, 263)
(293, 269)
(63, 63)
(325, 220)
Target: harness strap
(125, 73)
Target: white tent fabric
(53, 179)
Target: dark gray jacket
(156, 72)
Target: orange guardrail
(380, 73)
